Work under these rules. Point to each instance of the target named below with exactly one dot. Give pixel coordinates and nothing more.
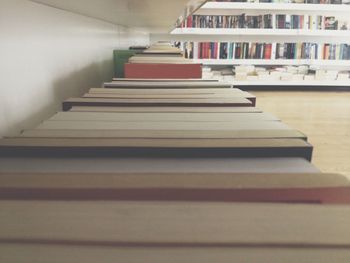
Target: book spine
(195, 50)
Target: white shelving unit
(154, 16)
(335, 83)
(345, 64)
(232, 8)
(260, 35)
(271, 36)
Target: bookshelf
(260, 35)
(235, 8)
(276, 62)
(319, 36)
(313, 83)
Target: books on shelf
(331, 2)
(285, 73)
(267, 21)
(227, 50)
(291, 74)
(289, 21)
(234, 21)
(297, 51)
(253, 50)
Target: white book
(288, 21)
(320, 74)
(206, 69)
(320, 51)
(298, 77)
(195, 50)
(252, 78)
(313, 54)
(276, 74)
(234, 50)
(306, 22)
(309, 77)
(250, 49)
(218, 54)
(286, 76)
(303, 69)
(274, 21)
(260, 69)
(241, 76)
(343, 76)
(314, 22)
(331, 74)
(273, 51)
(291, 69)
(264, 75)
(322, 22)
(337, 52)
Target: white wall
(47, 55)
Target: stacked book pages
(160, 53)
(168, 171)
(162, 60)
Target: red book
(216, 50)
(206, 50)
(301, 25)
(326, 51)
(268, 50)
(201, 50)
(189, 21)
(163, 71)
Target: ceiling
(155, 16)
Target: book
(156, 231)
(200, 186)
(61, 143)
(253, 50)
(330, 23)
(163, 71)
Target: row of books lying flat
(167, 171)
(288, 73)
(285, 73)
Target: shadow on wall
(75, 84)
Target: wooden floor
(324, 116)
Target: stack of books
(288, 73)
(285, 73)
(162, 52)
(162, 60)
(151, 170)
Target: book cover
(163, 71)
